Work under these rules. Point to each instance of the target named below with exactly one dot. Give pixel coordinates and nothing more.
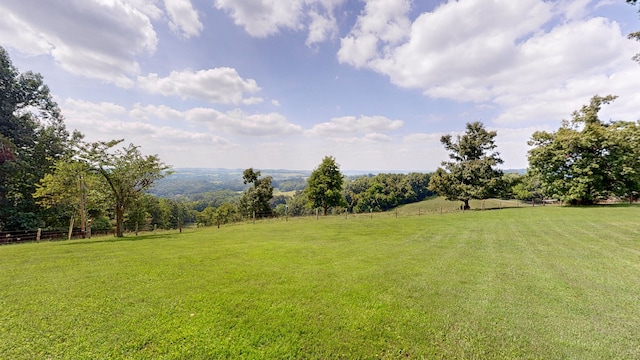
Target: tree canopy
(586, 159)
(255, 199)
(471, 174)
(126, 172)
(324, 186)
(385, 191)
(32, 137)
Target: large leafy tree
(324, 186)
(126, 171)
(71, 190)
(32, 138)
(256, 198)
(587, 160)
(471, 174)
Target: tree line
(50, 176)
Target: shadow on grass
(604, 205)
(129, 237)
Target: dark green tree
(324, 186)
(472, 173)
(298, 204)
(32, 138)
(126, 172)
(587, 160)
(525, 187)
(355, 193)
(227, 213)
(385, 191)
(256, 198)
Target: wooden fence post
(70, 228)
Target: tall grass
(542, 282)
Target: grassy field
(529, 282)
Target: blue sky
(282, 83)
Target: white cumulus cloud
(530, 57)
(351, 125)
(262, 18)
(184, 18)
(96, 39)
(240, 123)
(220, 85)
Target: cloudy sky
(282, 83)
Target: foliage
(298, 204)
(471, 174)
(70, 190)
(206, 217)
(385, 191)
(525, 187)
(126, 171)
(213, 199)
(32, 138)
(150, 212)
(290, 184)
(101, 224)
(587, 160)
(324, 186)
(227, 213)
(279, 200)
(255, 199)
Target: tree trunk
(119, 219)
(466, 204)
(325, 210)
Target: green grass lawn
(530, 282)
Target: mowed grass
(534, 282)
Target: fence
(22, 236)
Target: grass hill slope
(534, 282)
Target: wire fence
(23, 236)
(409, 210)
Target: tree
(70, 190)
(256, 199)
(226, 213)
(324, 186)
(471, 174)
(32, 138)
(385, 191)
(298, 204)
(587, 160)
(525, 187)
(126, 172)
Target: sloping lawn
(534, 282)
